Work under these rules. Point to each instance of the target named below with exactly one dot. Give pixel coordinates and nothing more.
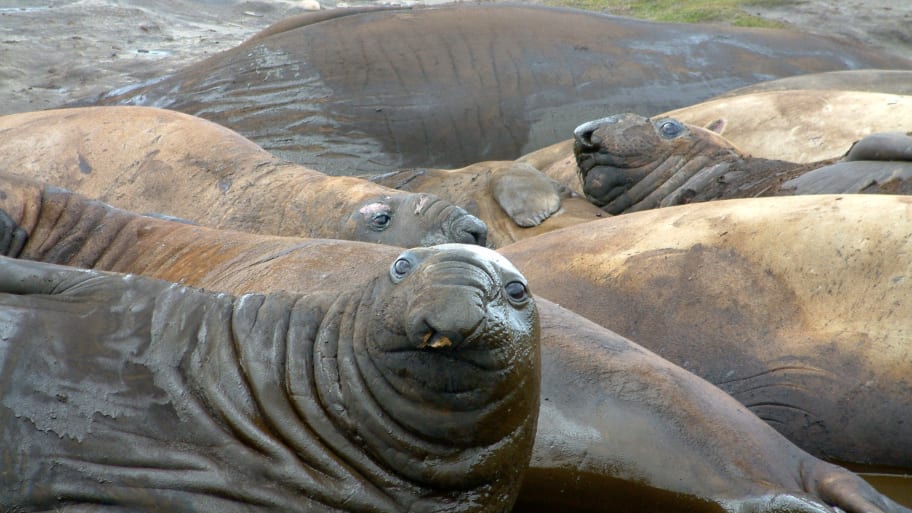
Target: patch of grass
(731, 12)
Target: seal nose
(585, 135)
(450, 326)
(468, 229)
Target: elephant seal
(628, 162)
(154, 160)
(513, 199)
(447, 86)
(797, 306)
(894, 81)
(416, 390)
(801, 126)
(617, 424)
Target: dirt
(57, 51)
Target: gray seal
(415, 390)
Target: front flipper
(845, 490)
(12, 236)
(525, 194)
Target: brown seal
(155, 160)
(797, 306)
(801, 126)
(617, 423)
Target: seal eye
(516, 291)
(380, 220)
(670, 128)
(400, 268)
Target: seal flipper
(12, 236)
(526, 194)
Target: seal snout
(585, 136)
(453, 311)
(467, 229)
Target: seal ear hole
(516, 292)
(669, 128)
(401, 268)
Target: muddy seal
(415, 390)
(447, 86)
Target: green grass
(731, 12)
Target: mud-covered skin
(618, 425)
(796, 306)
(158, 161)
(801, 126)
(448, 86)
(514, 199)
(629, 162)
(122, 393)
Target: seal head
(415, 219)
(630, 162)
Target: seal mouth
(435, 339)
(590, 158)
(604, 184)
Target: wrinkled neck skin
(69, 229)
(672, 178)
(440, 431)
(703, 174)
(267, 403)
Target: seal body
(796, 306)
(126, 393)
(158, 161)
(444, 87)
(617, 424)
(801, 125)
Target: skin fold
(618, 425)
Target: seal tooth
(435, 340)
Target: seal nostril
(585, 135)
(472, 230)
